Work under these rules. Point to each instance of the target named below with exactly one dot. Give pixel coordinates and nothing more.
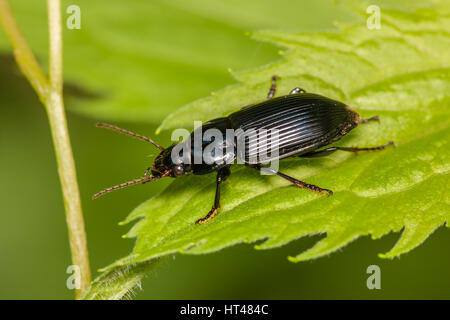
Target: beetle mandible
(305, 122)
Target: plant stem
(55, 54)
(22, 53)
(64, 155)
(50, 93)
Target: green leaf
(119, 282)
(142, 60)
(400, 73)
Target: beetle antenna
(135, 135)
(123, 185)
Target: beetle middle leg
(222, 174)
(294, 181)
(328, 151)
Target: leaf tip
(386, 255)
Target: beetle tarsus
(273, 87)
(208, 217)
(311, 187)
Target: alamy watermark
(374, 20)
(374, 280)
(74, 280)
(74, 19)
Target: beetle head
(163, 166)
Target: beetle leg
(297, 90)
(222, 174)
(356, 149)
(374, 118)
(326, 152)
(294, 181)
(320, 153)
(273, 87)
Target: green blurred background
(133, 63)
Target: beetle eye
(178, 170)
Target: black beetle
(304, 121)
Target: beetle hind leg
(356, 149)
(320, 153)
(328, 151)
(295, 181)
(374, 118)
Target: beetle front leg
(294, 181)
(222, 174)
(273, 87)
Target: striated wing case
(290, 125)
